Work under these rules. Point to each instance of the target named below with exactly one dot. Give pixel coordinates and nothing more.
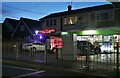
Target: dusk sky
(37, 10)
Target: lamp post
(116, 6)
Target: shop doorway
(55, 42)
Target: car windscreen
(38, 44)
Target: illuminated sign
(47, 31)
(89, 32)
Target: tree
(115, 3)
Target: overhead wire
(10, 15)
(23, 9)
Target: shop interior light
(64, 33)
(89, 32)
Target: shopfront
(106, 39)
(52, 39)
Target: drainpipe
(61, 23)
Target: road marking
(29, 74)
(20, 68)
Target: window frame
(100, 17)
(54, 22)
(67, 20)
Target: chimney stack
(69, 7)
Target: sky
(37, 10)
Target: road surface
(18, 72)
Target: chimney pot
(69, 7)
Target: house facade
(8, 27)
(25, 29)
(103, 16)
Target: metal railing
(107, 60)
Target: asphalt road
(18, 72)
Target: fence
(108, 59)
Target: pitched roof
(29, 25)
(32, 24)
(88, 9)
(8, 27)
(13, 22)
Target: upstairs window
(47, 23)
(70, 20)
(51, 23)
(97, 16)
(102, 16)
(54, 22)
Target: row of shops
(105, 38)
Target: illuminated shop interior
(105, 38)
(55, 41)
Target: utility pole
(116, 6)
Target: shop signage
(47, 31)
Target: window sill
(69, 24)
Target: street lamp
(116, 6)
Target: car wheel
(33, 49)
(97, 50)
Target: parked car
(35, 46)
(82, 48)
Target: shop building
(97, 23)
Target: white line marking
(20, 68)
(29, 74)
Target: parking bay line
(28, 74)
(35, 71)
(20, 68)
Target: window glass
(38, 44)
(111, 15)
(99, 16)
(70, 20)
(105, 16)
(65, 21)
(51, 23)
(54, 21)
(47, 23)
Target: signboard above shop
(47, 31)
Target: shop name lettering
(47, 31)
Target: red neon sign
(47, 31)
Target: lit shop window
(70, 20)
